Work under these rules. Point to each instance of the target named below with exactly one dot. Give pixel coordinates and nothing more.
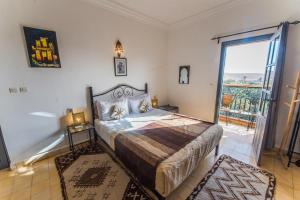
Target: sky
(247, 58)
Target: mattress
(174, 170)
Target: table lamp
(78, 119)
(154, 102)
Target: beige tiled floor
(41, 181)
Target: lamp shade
(119, 48)
(78, 118)
(154, 102)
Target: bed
(160, 148)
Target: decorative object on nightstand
(78, 119)
(169, 108)
(154, 102)
(71, 130)
(76, 123)
(69, 117)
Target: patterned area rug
(91, 174)
(230, 179)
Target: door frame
(224, 45)
(5, 153)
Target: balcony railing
(243, 104)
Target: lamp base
(78, 126)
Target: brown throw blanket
(142, 150)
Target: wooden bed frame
(115, 93)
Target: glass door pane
(271, 78)
(271, 50)
(275, 53)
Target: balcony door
(240, 76)
(267, 115)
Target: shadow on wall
(56, 141)
(59, 139)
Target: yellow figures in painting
(38, 55)
(49, 53)
(43, 51)
(44, 42)
(38, 43)
(44, 55)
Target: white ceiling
(164, 12)
(171, 11)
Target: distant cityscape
(243, 78)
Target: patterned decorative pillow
(136, 101)
(105, 108)
(145, 106)
(118, 112)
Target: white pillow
(136, 101)
(105, 108)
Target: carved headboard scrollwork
(115, 93)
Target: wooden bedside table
(173, 109)
(71, 130)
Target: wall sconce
(119, 48)
(154, 102)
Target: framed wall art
(184, 74)
(42, 48)
(120, 65)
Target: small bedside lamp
(78, 119)
(154, 102)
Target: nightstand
(173, 109)
(71, 130)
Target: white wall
(86, 35)
(191, 45)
